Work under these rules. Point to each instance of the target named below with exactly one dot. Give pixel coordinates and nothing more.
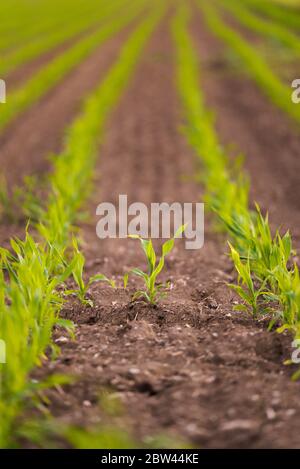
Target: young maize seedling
(154, 291)
(9, 201)
(245, 287)
(20, 202)
(29, 198)
(78, 264)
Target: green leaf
(180, 230)
(240, 308)
(139, 273)
(167, 247)
(68, 325)
(125, 280)
(68, 271)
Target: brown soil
(192, 368)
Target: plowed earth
(192, 368)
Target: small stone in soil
(239, 424)
(271, 414)
(62, 340)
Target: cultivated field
(125, 343)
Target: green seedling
(21, 201)
(6, 209)
(245, 288)
(29, 198)
(153, 291)
(78, 264)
